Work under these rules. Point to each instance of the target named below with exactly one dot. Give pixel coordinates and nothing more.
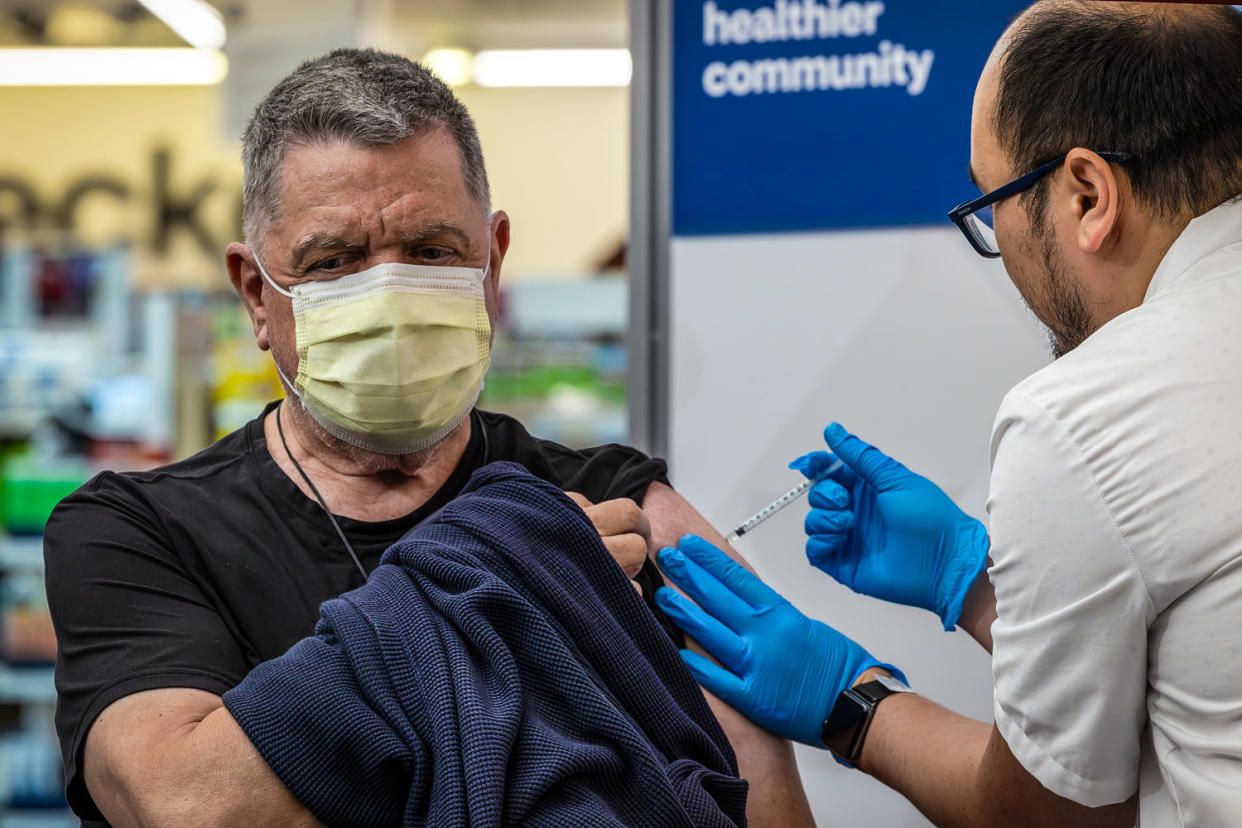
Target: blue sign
(810, 114)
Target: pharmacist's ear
(248, 283)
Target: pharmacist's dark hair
(1164, 85)
(362, 96)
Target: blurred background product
(122, 345)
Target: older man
(371, 275)
(1108, 138)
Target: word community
(889, 65)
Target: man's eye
(434, 253)
(329, 264)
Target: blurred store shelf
(559, 361)
(26, 685)
(52, 818)
(21, 553)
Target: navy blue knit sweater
(496, 669)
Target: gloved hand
(781, 669)
(884, 531)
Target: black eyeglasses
(974, 218)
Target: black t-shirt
(192, 574)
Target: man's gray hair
(362, 96)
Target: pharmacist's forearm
(960, 772)
(929, 754)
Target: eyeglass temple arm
(1019, 184)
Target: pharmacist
(1109, 139)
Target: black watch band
(845, 729)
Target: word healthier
(891, 64)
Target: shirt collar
(1217, 228)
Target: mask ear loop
(487, 270)
(487, 266)
(277, 287)
(288, 384)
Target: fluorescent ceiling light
(198, 23)
(452, 65)
(553, 67)
(111, 67)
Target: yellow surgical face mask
(391, 359)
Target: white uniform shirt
(1116, 524)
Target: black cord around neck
(280, 430)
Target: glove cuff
(896, 672)
(870, 662)
(973, 546)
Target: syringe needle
(780, 503)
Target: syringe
(780, 503)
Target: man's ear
(500, 246)
(1094, 195)
(248, 283)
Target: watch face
(842, 725)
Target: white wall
(559, 165)
(905, 336)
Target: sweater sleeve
(322, 738)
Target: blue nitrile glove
(884, 531)
(781, 669)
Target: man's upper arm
(128, 616)
(121, 753)
(1070, 639)
(672, 516)
(763, 758)
(175, 757)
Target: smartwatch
(845, 729)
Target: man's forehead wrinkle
(310, 225)
(407, 217)
(411, 207)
